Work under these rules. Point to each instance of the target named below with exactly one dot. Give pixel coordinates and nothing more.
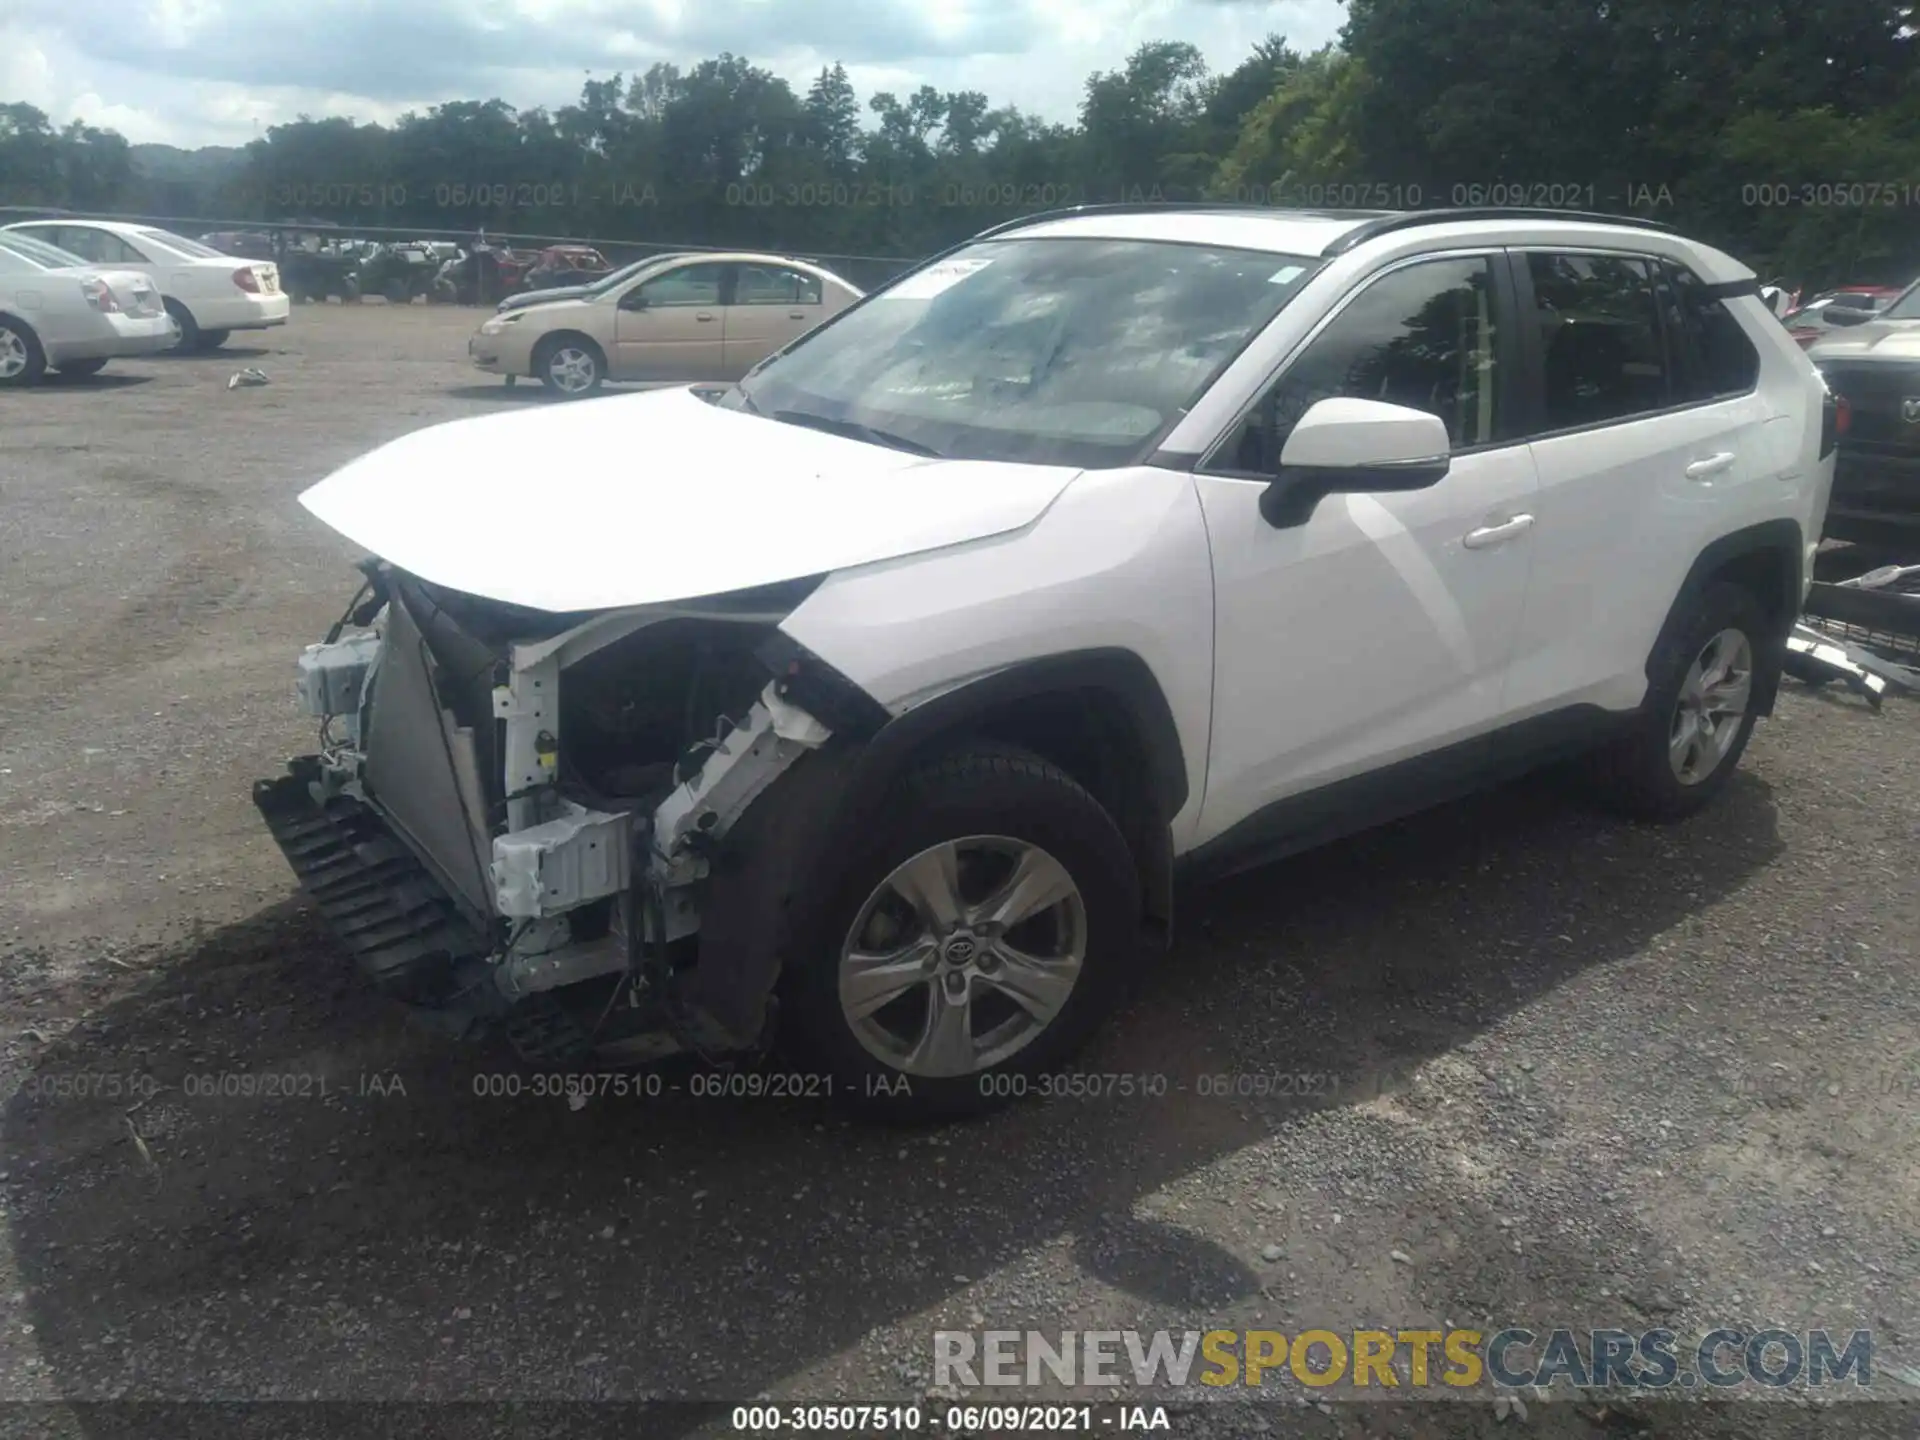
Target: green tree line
(1786, 131)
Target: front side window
(689, 285)
(1069, 351)
(1422, 336)
(96, 247)
(1602, 355)
(1715, 357)
(770, 285)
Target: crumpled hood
(1889, 340)
(655, 497)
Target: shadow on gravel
(499, 392)
(101, 380)
(215, 357)
(387, 1223)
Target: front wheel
(971, 944)
(1698, 714)
(80, 369)
(569, 365)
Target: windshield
(180, 245)
(627, 272)
(38, 252)
(1906, 306)
(1074, 352)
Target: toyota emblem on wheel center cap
(1910, 409)
(959, 950)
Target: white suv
(889, 692)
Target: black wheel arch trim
(1118, 673)
(1780, 539)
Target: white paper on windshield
(1286, 274)
(931, 281)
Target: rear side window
(1602, 356)
(1715, 357)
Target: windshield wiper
(853, 430)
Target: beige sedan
(688, 318)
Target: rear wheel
(80, 369)
(186, 333)
(970, 944)
(212, 339)
(398, 292)
(1698, 714)
(569, 365)
(22, 361)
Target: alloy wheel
(1711, 708)
(963, 956)
(13, 353)
(573, 370)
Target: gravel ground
(1568, 1071)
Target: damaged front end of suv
(513, 817)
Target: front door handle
(1488, 535)
(796, 315)
(1712, 465)
(704, 316)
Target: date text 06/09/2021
(1043, 1419)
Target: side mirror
(1846, 315)
(1344, 446)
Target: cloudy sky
(198, 72)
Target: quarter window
(1602, 357)
(1422, 337)
(1716, 357)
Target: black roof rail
(1411, 219)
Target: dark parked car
(562, 265)
(1872, 362)
(247, 244)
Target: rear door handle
(1712, 465)
(704, 316)
(796, 315)
(1489, 535)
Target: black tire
(210, 340)
(398, 292)
(80, 369)
(189, 340)
(997, 791)
(20, 346)
(552, 346)
(1635, 775)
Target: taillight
(1835, 416)
(247, 280)
(99, 295)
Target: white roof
(1284, 232)
(1310, 232)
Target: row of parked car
(76, 294)
(317, 265)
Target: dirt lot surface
(1562, 1071)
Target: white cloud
(192, 72)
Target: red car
(567, 265)
(1809, 323)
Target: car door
(672, 326)
(771, 305)
(1381, 628)
(1639, 458)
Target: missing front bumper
(404, 931)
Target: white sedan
(208, 295)
(59, 313)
